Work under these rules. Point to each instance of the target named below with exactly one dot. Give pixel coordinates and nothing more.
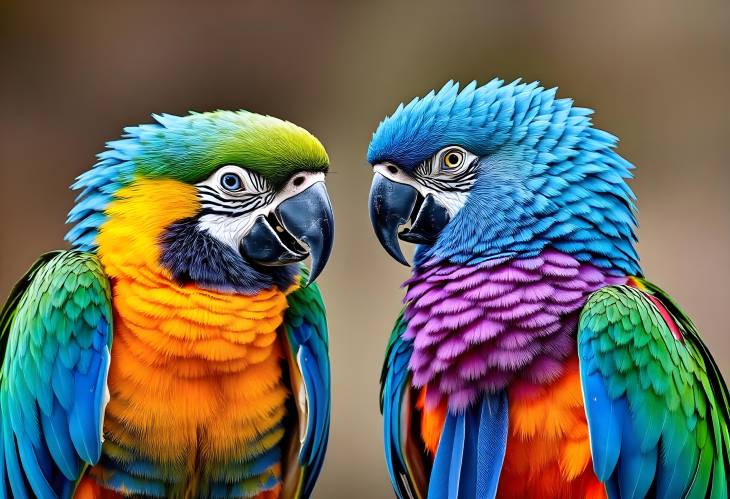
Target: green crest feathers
(192, 147)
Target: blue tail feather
(457, 455)
(470, 459)
(438, 485)
(471, 451)
(491, 444)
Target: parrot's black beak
(304, 218)
(393, 204)
(308, 217)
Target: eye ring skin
(236, 181)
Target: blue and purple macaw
(532, 359)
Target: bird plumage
(527, 322)
(53, 391)
(215, 368)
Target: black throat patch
(194, 256)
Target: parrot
(531, 357)
(180, 347)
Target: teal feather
(32, 469)
(15, 476)
(55, 431)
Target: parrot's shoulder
(48, 284)
(657, 406)
(16, 294)
(637, 324)
(638, 302)
(306, 305)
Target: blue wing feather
(603, 415)
(438, 484)
(53, 377)
(395, 402)
(457, 456)
(491, 444)
(32, 469)
(470, 459)
(636, 468)
(84, 419)
(58, 441)
(12, 466)
(307, 342)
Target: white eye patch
(448, 176)
(230, 200)
(452, 169)
(233, 191)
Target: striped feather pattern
(427, 173)
(254, 194)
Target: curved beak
(302, 225)
(308, 217)
(393, 204)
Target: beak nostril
(298, 181)
(392, 169)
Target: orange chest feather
(193, 371)
(548, 451)
(189, 364)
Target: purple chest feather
(479, 328)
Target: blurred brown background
(658, 74)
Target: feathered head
(219, 199)
(501, 170)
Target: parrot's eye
(231, 182)
(453, 159)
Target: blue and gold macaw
(176, 350)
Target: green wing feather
(307, 352)
(405, 455)
(656, 403)
(56, 336)
(11, 304)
